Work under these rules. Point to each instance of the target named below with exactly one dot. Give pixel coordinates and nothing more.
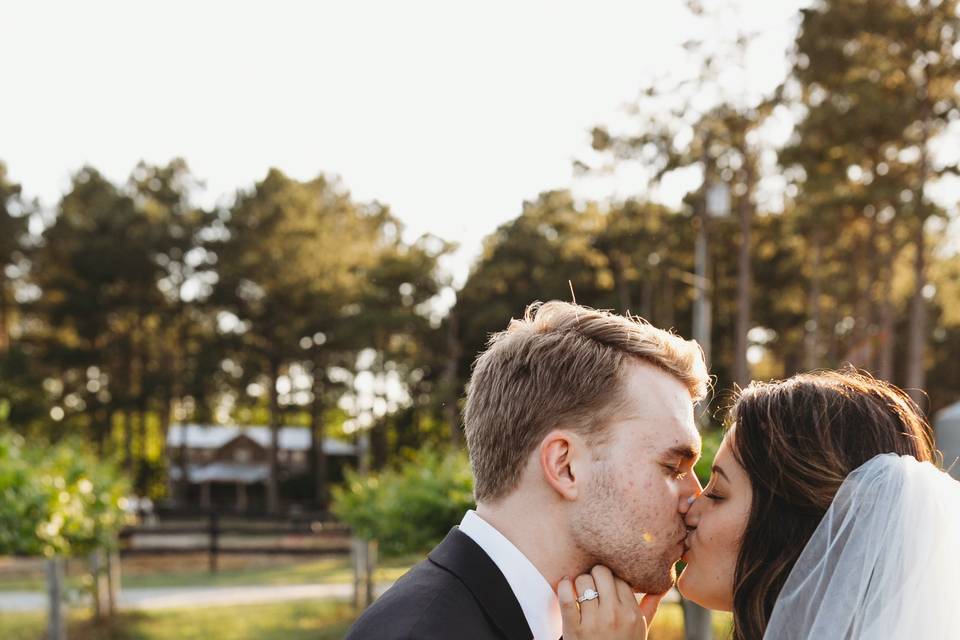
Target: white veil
(884, 563)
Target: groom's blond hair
(562, 365)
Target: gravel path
(174, 597)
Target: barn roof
(215, 436)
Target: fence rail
(300, 535)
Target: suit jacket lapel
(464, 558)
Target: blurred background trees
(127, 307)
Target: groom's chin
(660, 583)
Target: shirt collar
(537, 599)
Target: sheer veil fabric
(883, 563)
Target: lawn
(191, 571)
(290, 621)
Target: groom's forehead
(662, 434)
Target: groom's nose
(687, 497)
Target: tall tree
(13, 230)
(877, 92)
(292, 252)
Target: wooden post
(697, 621)
(357, 547)
(56, 622)
(214, 540)
(371, 558)
(113, 582)
(100, 588)
(364, 554)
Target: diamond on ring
(589, 594)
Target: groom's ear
(558, 462)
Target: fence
(219, 533)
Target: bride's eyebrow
(719, 471)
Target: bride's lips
(687, 547)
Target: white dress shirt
(537, 599)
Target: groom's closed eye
(680, 460)
(676, 471)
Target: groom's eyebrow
(684, 452)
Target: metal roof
(224, 472)
(215, 436)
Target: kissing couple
(826, 516)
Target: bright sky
(451, 113)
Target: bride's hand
(615, 615)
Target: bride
(825, 517)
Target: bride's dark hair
(797, 440)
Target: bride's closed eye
(710, 492)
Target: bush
(407, 509)
(711, 443)
(57, 500)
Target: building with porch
(228, 466)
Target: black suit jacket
(457, 592)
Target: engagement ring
(589, 594)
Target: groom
(582, 441)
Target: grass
(323, 620)
(668, 625)
(191, 571)
(289, 621)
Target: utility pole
(697, 621)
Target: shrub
(410, 508)
(57, 500)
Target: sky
(451, 113)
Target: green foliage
(711, 443)
(410, 508)
(56, 500)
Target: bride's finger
(648, 605)
(569, 610)
(588, 608)
(607, 588)
(625, 592)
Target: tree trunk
(4, 316)
(917, 338)
(887, 320)
(646, 299)
(165, 453)
(173, 403)
(318, 456)
(669, 312)
(623, 286)
(744, 284)
(127, 440)
(273, 480)
(812, 338)
(858, 348)
(452, 389)
(378, 432)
